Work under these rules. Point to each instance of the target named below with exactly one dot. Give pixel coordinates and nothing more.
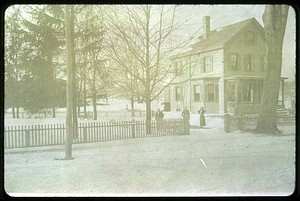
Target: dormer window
(207, 64)
(250, 37)
(178, 68)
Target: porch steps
(282, 112)
(285, 116)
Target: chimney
(206, 26)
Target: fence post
(133, 129)
(84, 134)
(241, 122)
(27, 138)
(227, 122)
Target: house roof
(233, 77)
(218, 38)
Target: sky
(223, 15)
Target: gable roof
(218, 38)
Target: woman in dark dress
(202, 117)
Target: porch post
(225, 97)
(204, 92)
(282, 93)
(236, 95)
(221, 95)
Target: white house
(226, 70)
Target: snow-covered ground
(115, 105)
(209, 162)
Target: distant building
(226, 67)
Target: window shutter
(189, 66)
(206, 93)
(253, 62)
(201, 92)
(245, 62)
(216, 92)
(261, 57)
(228, 61)
(194, 93)
(238, 62)
(265, 63)
(212, 62)
(200, 66)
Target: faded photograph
(149, 100)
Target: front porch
(243, 94)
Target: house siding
(238, 47)
(222, 69)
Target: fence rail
(55, 134)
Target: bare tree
(275, 19)
(143, 35)
(91, 39)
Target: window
(207, 64)
(196, 92)
(178, 92)
(178, 68)
(247, 88)
(230, 91)
(234, 61)
(252, 91)
(260, 85)
(249, 62)
(212, 92)
(262, 63)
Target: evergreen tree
(14, 54)
(44, 37)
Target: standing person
(159, 116)
(202, 117)
(186, 121)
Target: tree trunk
(148, 73)
(148, 115)
(94, 96)
(275, 22)
(53, 112)
(84, 92)
(13, 112)
(70, 63)
(78, 110)
(75, 120)
(18, 112)
(132, 106)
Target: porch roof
(204, 78)
(257, 77)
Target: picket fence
(55, 134)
